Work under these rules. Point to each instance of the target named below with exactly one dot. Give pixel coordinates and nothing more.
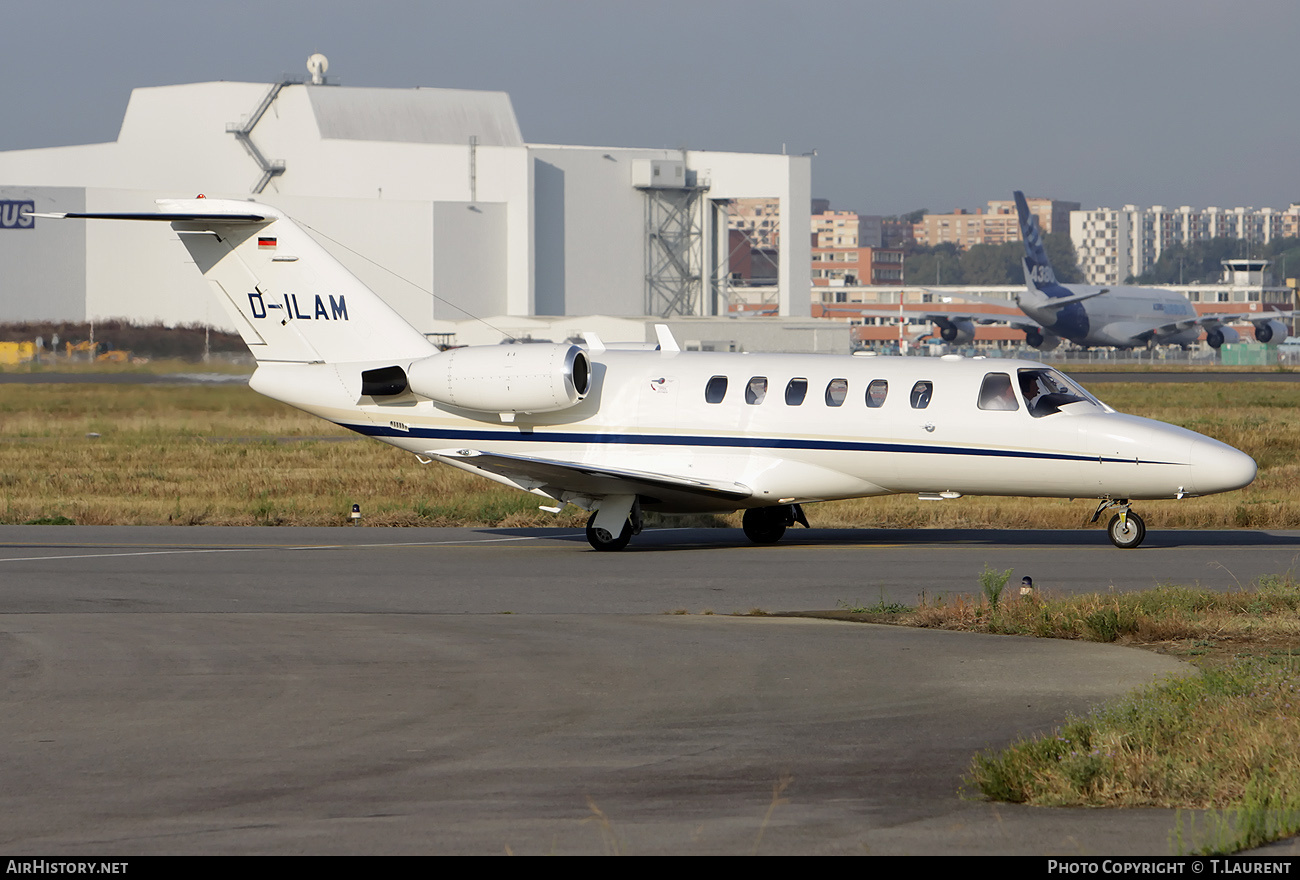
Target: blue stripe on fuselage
(740, 443)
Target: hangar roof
(420, 116)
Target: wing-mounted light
(504, 378)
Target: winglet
(666, 340)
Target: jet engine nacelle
(957, 332)
(1041, 341)
(1269, 331)
(504, 378)
(1221, 336)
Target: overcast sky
(909, 104)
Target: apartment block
(1112, 245)
(996, 224)
(852, 266)
(758, 219)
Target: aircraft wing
(975, 317)
(558, 477)
(1216, 319)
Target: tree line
(1199, 262)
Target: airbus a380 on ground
(1090, 315)
(619, 432)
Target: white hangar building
(415, 190)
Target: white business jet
(620, 432)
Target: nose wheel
(1126, 529)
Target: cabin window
(796, 391)
(876, 393)
(716, 389)
(921, 392)
(836, 391)
(756, 390)
(1046, 391)
(996, 393)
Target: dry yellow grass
(225, 455)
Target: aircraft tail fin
(291, 301)
(1038, 268)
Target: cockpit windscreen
(1045, 391)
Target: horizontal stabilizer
(170, 218)
(289, 298)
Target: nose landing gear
(1126, 529)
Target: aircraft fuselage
(1116, 317)
(651, 412)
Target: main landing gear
(766, 525)
(1126, 529)
(763, 525)
(600, 539)
(601, 525)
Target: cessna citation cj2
(620, 432)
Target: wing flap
(976, 317)
(557, 477)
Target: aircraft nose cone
(1217, 467)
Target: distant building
(1113, 245)
(832, 229)
(896, 233)
(853, 266)
(431, 196)
(846, 251)
(758, 219)
(998, 224)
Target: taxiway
(208, 690)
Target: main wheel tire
(1127, 534)
(764, 525)
(600, 539)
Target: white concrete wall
(379, 198)
(42, 262)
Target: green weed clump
(1262, 816)
(1207, 741)
(880, 606)
(1162, 614)
(992, 583)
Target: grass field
(1226, 741)
(225, 455)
